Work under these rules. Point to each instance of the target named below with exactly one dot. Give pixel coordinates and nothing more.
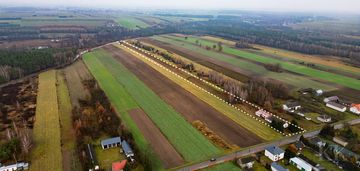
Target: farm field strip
(299, 57)
(218, 103)
(246, 66)
(190, 143)
(323, 75)
(46, 154)
(131, 22)
(68, 139)
(214, 86)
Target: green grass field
(291, 79)
(300, 69)
(114, 77)
(68, 138)
(46, 154)
(131, 22)
(245, 121)
(228, 166)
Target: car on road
(213, 159)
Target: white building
(324, 118)
(319, 92)
(331, 99)
(274, 153)
(291, 106)
(300, 164)
(13, 167)
(336, 106)
(355, 108)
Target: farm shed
(340, 141)
(247, 162)
(324, 118)
(331, 99)
(16, 166)
(355, 108)
(127, 149)
(276, 167)
(92, 156)
(291, 105)
(118, 166)
(111, 142)
(336, 106)
(274, 153)
(300, 164)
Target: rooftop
(336, 104)
(292, 103)
(126, 147)
(357, 106)
(274, 150)
(278, 167)
(117, 166)
(247, 159)
(111, 141)
(301, 163)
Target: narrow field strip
(46, 154)
(120, 99)
(218, 88)
(323, 75)
(238, 115)
(68, 139)
(190, 143)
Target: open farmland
(114, 78)
(242, 66)
(190, 106)
(299, 69)
(131, 22)
(239, 117)
(46, 154)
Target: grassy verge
(287, 78)
(46, 154)
(245, 121)
(68, 138)
(228, 166)
(304, 70)
(186, 139)
(131, 23)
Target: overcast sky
(342, 6)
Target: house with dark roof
(127, 149)
(291, 105)
(111, 142)
(274, 153)
(247, 162)
(276, 167)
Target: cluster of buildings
(334, 102)
(265, 115)
(112, 143)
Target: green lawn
(326, 164)
(131, 22)
(114, 77)
(323, 75)
(294, 80)
(228, 166)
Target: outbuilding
(331, 99)
(336, 106)
(324, 118)
(276, 167)
(127, 149)
(340, 141)
(247, 162)
(291, 106)
(111, 142)
(274, 153)
(300, 164)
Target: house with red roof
(355, 108)
(119, 166)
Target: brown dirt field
(185, 103)
(28, 44)
(219, 66)
(158, 141)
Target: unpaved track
(184, 102)
(157, 140)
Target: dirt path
(185, 103)
(158, 141)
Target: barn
(111, 142)
(336, 106)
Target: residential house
(111, 142)
(127, 149)
(317, 141)
(300, 164)
(355, 108)
(274, 153)
(276, 167)
(92, 157)
(246, 163)
(331, 99)
(264, 114)
(324, 118)
(291, 106)
(340, 141)
(16, 166)
(336, 106)
(118, 166)
(296, 147)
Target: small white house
(300, 164)
(276, 167)
(291, 105)
(324, 118)
(355, 108)
(336, 106)
(16, 166)
(274, 153)
(246, 163)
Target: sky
(336, 6)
